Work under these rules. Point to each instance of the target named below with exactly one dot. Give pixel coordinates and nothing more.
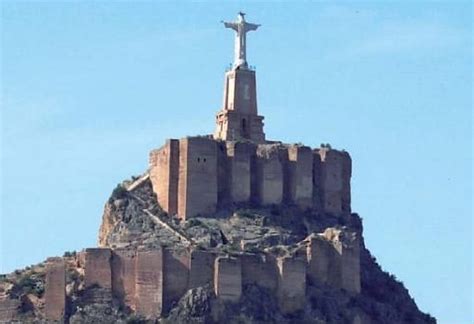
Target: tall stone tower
(238, 118)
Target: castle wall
(346, 182)
(55, 290)
(259, 270)
(193, 176)
(149, 283)
(197, 177)
(97, 268)
(319, 254)
(240, 155)
(201, 270)
(292, 284)
(350, 269)
(334, 260)
(176, 264)
(123, 276)
(223, 175)
(228, 278)
(300, 174)
(335, 180)
(268, 173)
(164, 174)
(317, 189)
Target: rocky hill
(133, 220)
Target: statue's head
(240, 16)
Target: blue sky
(88, 88)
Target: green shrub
(118, 193)
(69, 254)
(29, 285)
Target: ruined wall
(260, 270)
(350, 268)
(197, 177)
(300, 175)
(346, 260)
(55, 290)
(334, 259)
(164, 172)
(149, 283)
(97, 268)
(123, 276)
(319, 254)
(268, 173)
(291, 284)
(228, 278)
(201, 269)
(176, 264)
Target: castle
(197, 176)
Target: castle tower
(238, 118)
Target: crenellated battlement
(198, 175)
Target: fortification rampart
(151, 281)
(194, 176)
(55, 291)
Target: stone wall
(334, 259)
(260, 270)
(240, 156)
(228, 278)
(291, 284)
(176, 264)
(164, 173)
(123, 276)
(197, 189)
(55, 290)
(319, 254)
(97, 268)
(269, 175)
(335, 181)
(201, 270)
(300, 174)
(346, 259)
(197, 175)
(149, 283)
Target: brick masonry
(196, 175)
(149, 283)
(201, 270)
(176, 264)
(228, 278)
(123, 276)
(55, 290)
(97, 268)
(291, 284)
